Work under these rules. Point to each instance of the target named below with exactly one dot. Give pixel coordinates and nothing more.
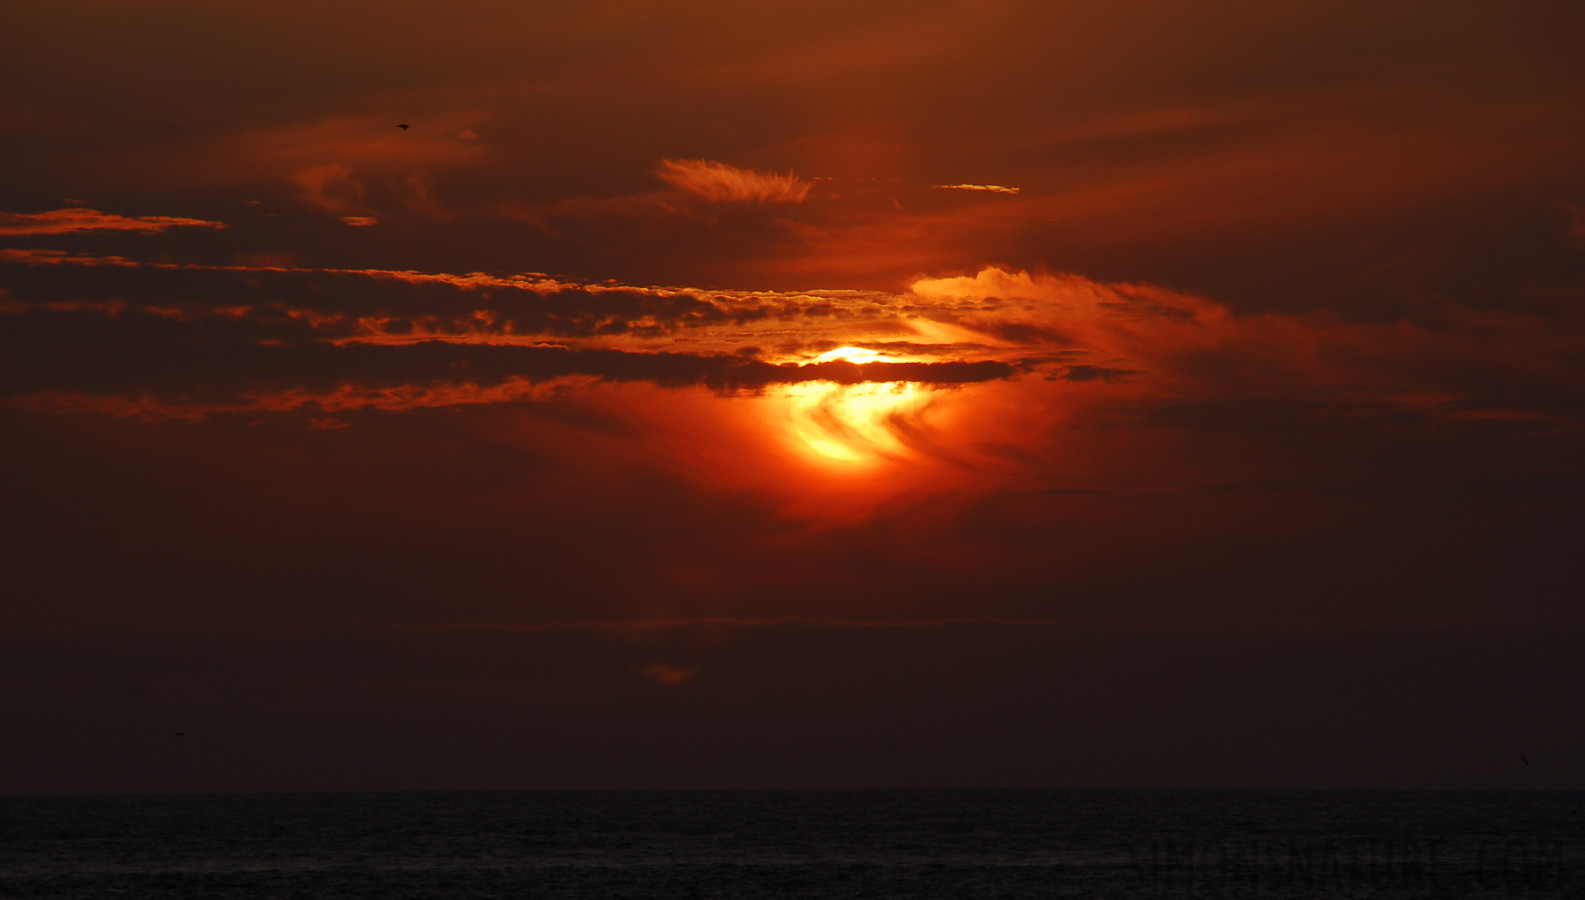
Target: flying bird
(181, 734)
(1525, 761)
(404, 127)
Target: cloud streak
(992, 188)
(78, 219)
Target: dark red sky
(931, 394)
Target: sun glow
(854, 423)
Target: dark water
(836, 844)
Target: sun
(854, 423)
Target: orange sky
(1206, 316)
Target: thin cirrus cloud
(67, 221)
(991, 188)
(722, 183)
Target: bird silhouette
(181, 734)
(404, 127)
(1525, 761)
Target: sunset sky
(932, 394)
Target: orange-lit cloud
(719, 182)
(66, 221)
(837, 402)
(992, 188)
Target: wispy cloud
(332, 188)
(993, 188)
(719, 182)
(66, 221)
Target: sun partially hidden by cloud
(719, 182)
(66, 221)
(854, 423)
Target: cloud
(397, 306)
(1177, 358)
(231, 339)
(993, 188)
(334, 189)
(998, 361)
(171, 368)
(719, 182)
(67, 221)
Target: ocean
(806, 844)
